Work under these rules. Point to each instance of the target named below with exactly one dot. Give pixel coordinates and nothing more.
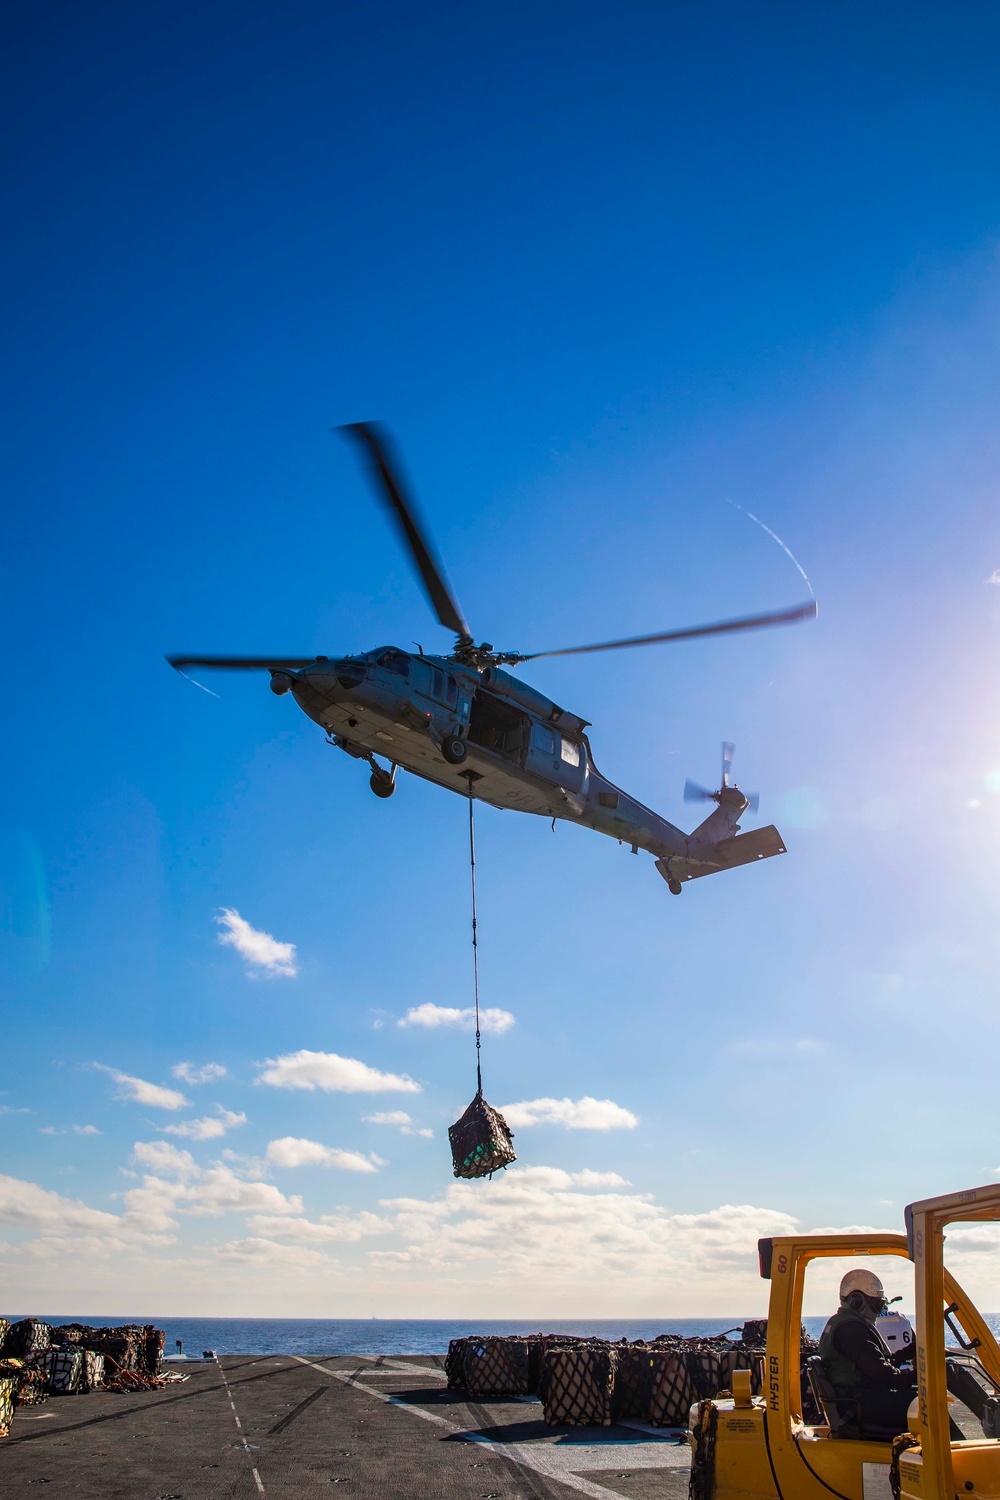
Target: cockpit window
(396, 662)
(570, 753)
(350, 673)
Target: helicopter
(465, 723)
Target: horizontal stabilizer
(745, 848)
(727, 854)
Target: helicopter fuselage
(463, 727)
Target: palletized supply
(703, 1368)
(496, 1367)
(118, 1347)
(480, 1141)
(578, 1386)
(755, 1332)
(29, 1383)
(739, 1358)
(27, 1337)
(634, 1369)
(70, 1333)
(8, 1393)
(454, 1366)
(91, 1370)
(62, 1369)
(152, 1350)
(672, 1391)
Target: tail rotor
(728, 791)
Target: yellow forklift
(762, 1448)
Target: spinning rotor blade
(747, 622)
(241, 663)
(727, 760)
(695, 793)
(443, 601)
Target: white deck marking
(239, 1427)
(552, 1460)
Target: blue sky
(603, 270)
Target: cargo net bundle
(481, 1141)
(591, 1381)
(38, 1361)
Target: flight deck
(242, 1427)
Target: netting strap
(475, 939)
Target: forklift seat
(843, 1413)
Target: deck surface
(282, 1426)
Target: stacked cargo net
(495, 1366)
(590, 1381)
(38, 1361)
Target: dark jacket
(856, 1356)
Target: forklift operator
(860, 1364)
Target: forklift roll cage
(807, 1463)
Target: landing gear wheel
(674, 887)
(381, 785)
(454, 750)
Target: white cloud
(574, 1114)
(490, 1020)
(536, 1236)
(994, 576)
(265, 1253)
(163, 1157)
(333, 1074)
(206, 1074)
(151, 1094)
(209, 1128)
(263, 953)
(340, 1228)
(589, 1179)
(292, 1151)
(27, 1205)
(69, 1130)
(178, 1185)
(398, 1117)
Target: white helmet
(865, 1282)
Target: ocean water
(374, 1336)
(385, 1335)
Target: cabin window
(450, 691)
(570, 753)
(544, 739)
(437, 681)
(396, 662)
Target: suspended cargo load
(481, 1141)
